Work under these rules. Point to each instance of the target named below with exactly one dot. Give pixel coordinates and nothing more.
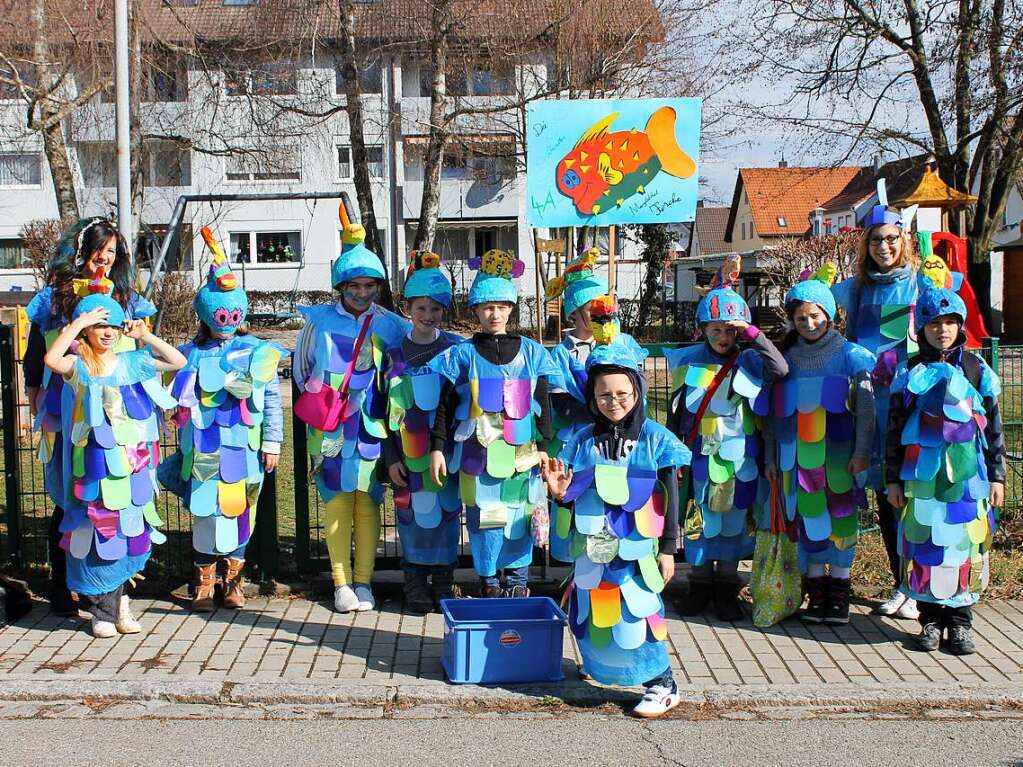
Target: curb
(249, 692)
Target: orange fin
(660, 130)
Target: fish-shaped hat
(938, 285)
(579, 284)
(815, 288)
(220, 303)
(495, 279)
(721, 302)
(356, 260)
(881, 214)
(424, 279)
(96, 293)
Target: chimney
(783, 163)
(877, 164)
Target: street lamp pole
(124, 218)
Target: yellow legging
(341, 512)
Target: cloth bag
(324, 409)
(776, 583)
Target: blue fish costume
(496, 430)
(619, 510)
(221, 394)
(428, 516)
(111, 425)
(945, 463)
(42, 312)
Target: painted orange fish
(605, 169)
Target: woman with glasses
(878, 302)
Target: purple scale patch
(491, 395)
(834, 393)
(472, 519)
(812, 480)
(762, 403)
(752, 446)
(953, 431)
(417, 420)
(104, 435)
(207, 440)
(141, 488)
(233, 467)
(841, 504)
(784, 396)
(582, 480)
(369, 450)
(330, 472)
(376, 403)
(244, 526)
(641, 485)
(405, 516)
(140, 544)
(415, 482)
(183, 388)
(578, 626)
(518, 395)
(341, 350)
(51, 401)
(474, 458)
(104, 520)
(361, 379)
(351, 426)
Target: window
(781, 221)
(240, 2)
(744, 230)
(10, 74)
(167, 81)
(486, 78)
(269, 78)
(167, 164)
(98, 162)
(371, 77)
(374, 162)
(13, 254)
(21, 169)
(282, 164)
(266, 247)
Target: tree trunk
(429, 208)
(357, 138)
(49, 123)
(656, 241)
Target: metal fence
(289, 535)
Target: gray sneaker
(365, 596)
(960, 642)
(929, 637)
(345, 600)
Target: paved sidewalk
(294, 649)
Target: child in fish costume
(499, 418)
(820, 436)
(721, 393)
(617, 479)
(428, 516)
(110, 420)
(92, 252)
(338, 365)
(595, 316)
(945, 469)
(230, 428)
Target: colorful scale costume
(112, 428)
(618, 514)
(220, 394)
(815, 429)
(946, 528)
(495, 451)
(728, 488)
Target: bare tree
(931, 75)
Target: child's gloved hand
(397, 472)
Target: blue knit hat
(356, 260)
(494, 280)
(721, 302)
(424, 279)
(816, 289)
(101, 301)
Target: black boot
(816, 609)
(443, 585)
(695, 602)
(726, 601)
(837, 611)
(417, 593)
(61, 602)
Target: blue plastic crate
(503, 640)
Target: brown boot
(234, 596)
(205, 581)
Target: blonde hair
(92, 360)
(907, 251)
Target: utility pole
(123, 139)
